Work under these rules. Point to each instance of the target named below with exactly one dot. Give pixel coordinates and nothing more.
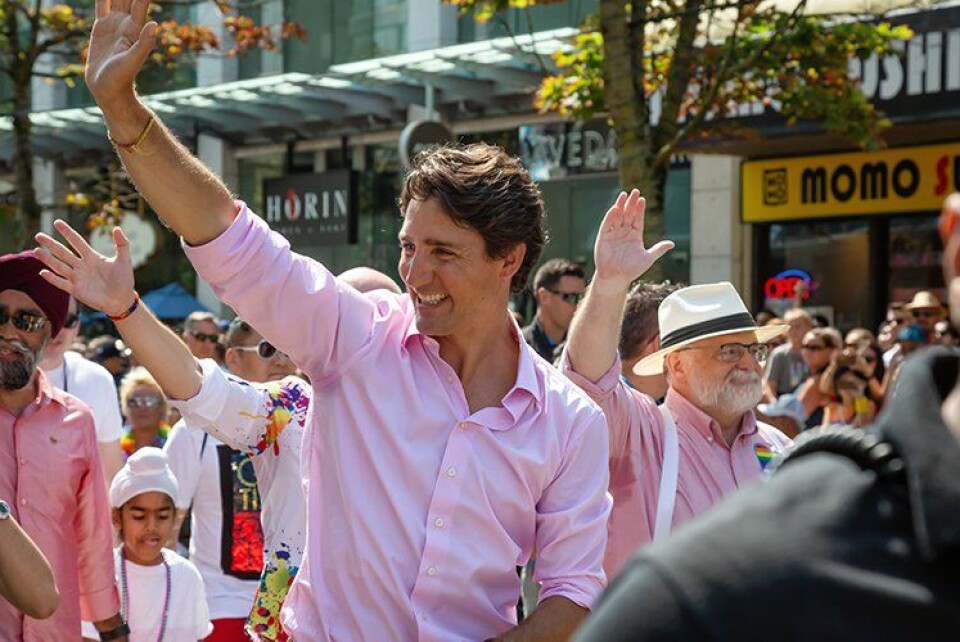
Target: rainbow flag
(764, 455)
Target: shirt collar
(685, 411)
(528, 386)
(930, 452)
(46, 392)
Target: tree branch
(533, 52)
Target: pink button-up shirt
(709, 469)
(50, 475)
(418, 511)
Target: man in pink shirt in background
(50, 473)
(672, 462)
(444, 451)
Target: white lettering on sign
(918, 67)
(310, 205)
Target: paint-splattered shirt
(266, 421)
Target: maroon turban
(22, 272)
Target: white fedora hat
(700, 312)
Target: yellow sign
(908, 179)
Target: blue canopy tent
(172, 302)
(169, 303)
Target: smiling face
(20, 349)
(456, 288)
(702, 377)
(553, 306)
(145, 523)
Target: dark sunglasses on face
(925, 314)
(733, 352)
(264, 349)
(570, 297)
(143, 402)
(71, 321)
(22, 320)
(812, 347)
(200, 336)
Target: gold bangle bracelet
(134, 147)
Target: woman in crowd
(818, 349)
(145, 409)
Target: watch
(4, 510)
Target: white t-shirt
(92, 384)
(187, 617)
(226, 543)
(267, 421)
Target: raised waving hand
(620, 254)
(120, 42)
(103, 283)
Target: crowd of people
(349, 460)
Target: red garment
(228, 630)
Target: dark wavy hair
(481, 187)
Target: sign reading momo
(904, 179)
(313, 209)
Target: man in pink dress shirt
(671, 462)
(49, 465)
(442, 451)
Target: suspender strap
(669, 472)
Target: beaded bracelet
(129, 311)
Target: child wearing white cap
(161, 593)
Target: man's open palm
(620, 254)
(120, 42)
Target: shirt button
(710, 439)
(451, 472)
(23, 461)
(23, 502)
(450, 379)
(432, 571)
(438, 522)
(462, 425)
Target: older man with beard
(49, 466)
(672, 462)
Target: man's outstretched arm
(620, 258)
(185, 194)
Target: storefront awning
(488, 78)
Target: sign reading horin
(313, 209)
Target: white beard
(738, 393)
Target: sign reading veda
(312, 209)
(909, 179)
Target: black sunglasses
(570, 297)
(200, 336)
(71, 321)
(22, 320)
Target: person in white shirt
(161, 593)
(92, 384)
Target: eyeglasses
(812, 347)
(570, 297)
(264, 349)
(925, 314)
(200, 336)
(22, 320)
(143, 402)
(733, 352)
(71, 321)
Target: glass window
(914, 258)
(836, 257)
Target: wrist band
(129, 311)
(134, 147)
(115, 634)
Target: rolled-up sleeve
(572, 521)
(292, 300)
(94, 536)
(245, 416)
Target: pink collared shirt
(418, 511)
(709, 469)
(50, 475)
